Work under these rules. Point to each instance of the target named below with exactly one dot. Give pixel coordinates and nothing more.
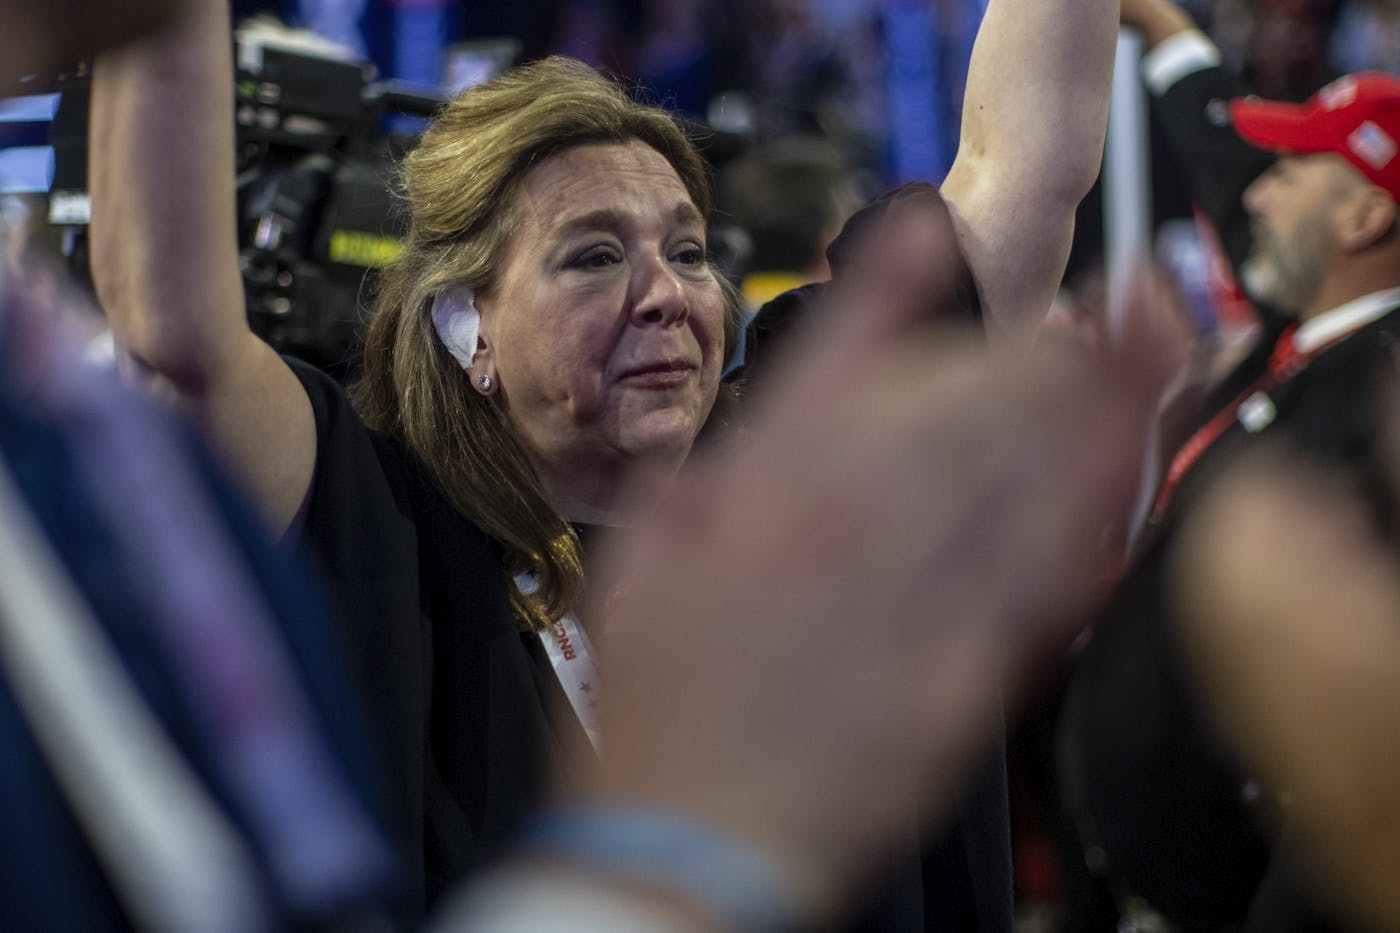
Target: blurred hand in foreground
(813, 635)
(1290, 614)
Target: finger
(1154, 334)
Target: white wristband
(532, 900)
(716, 872)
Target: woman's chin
(660, 438)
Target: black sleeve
(1217, 164)
(359, 528)
(449, 683)
(1282, 903)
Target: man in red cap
(1304, 199)
(1324, 215)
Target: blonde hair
(460, 184)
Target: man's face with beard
(1290, 206)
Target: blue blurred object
(928, 48)
(26, 159)
(26, 169)
(337, 20)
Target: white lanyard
(571, 655)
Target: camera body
(316, 213)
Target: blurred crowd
(818, 65)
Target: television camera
(317, 142)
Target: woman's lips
(661, 374)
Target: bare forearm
(1038, 90)
(165, 253)
(164, 239)
(1035, 116)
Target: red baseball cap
(1357, 116)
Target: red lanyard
(1284, 363)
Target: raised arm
(1035, 114)
(1182, 70)
(165, 252)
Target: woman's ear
(483, 371)
(483, 367)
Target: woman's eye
(598, 259)
(690, 255)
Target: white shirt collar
(1343, 319)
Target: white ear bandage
(457, 323)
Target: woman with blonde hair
(540, 360)
(467, 186)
